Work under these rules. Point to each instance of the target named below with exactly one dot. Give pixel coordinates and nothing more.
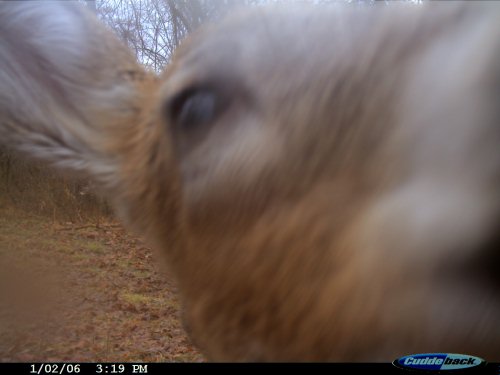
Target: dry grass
(83, 295)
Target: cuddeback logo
(438, 362)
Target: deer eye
(195, 108)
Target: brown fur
(341, 205)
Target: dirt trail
(84, 294)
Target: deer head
(323, 183)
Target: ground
(73, 292)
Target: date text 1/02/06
(69, 368)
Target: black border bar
(129, 368)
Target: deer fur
(322, 182)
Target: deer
(322, 182)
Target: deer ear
(65, 83)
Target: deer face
(322, 183)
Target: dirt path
(83, 294)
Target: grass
(86, 294)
